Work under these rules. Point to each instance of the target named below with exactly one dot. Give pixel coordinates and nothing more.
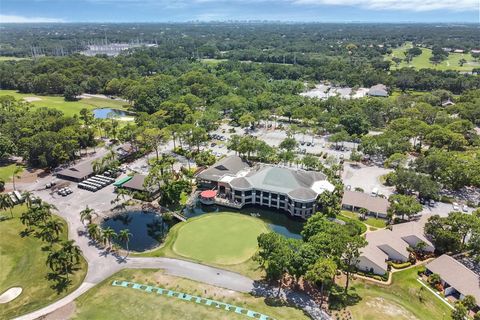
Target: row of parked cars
(96, 183)
(16, 197)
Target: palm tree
(55, 226)
(16, 171)
(72, 250)
(86, 214)
(94, 231)
(124, 235)
(28, 198)
(6, 202)
(108, 235)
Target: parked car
(465, 208)
(213, 144)
(309, 144)
(455, 206)
(432, 203)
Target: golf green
(221, 238)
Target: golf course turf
(22, 264)
(105, 301)
(219, 238)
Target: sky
(429, 11)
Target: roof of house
(395, 239)
(365, 200)
(79, 171)
(378, 90)
(226, 166)
(137, 183)
(457, 275)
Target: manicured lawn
(108, 302)
(249, 268)
(422, 61)
(213, 62)
(371, 221)
(23, 265)
(67, 107)
(403, 299)
(6, 172)
(220, 238)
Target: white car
(465, 208)
(456, 207)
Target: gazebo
(208, 196)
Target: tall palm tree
(28, 198)
(86, 214)
(94, 231)
(124, 235)
(72, 250)
(16, 172)
(6, 203)
(55, 226)
(108, 235)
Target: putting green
(221, 238)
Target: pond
(146, 228)
(105, 113)
(277, 221)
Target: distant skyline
(425, 11)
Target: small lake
(105, 113)
(277, 221)
(146, 228)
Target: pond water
(277, 221)
(146, 228)
(104, 113)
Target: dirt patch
(387, 308)
(10, 294)
(32, 99)
(63, 313)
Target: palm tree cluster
(63, 262)
(63, 257)
(105, 236)
(109, 161)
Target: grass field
(371, 221)
(6, 172)
(69, 108)
(422, 61)
(108, 302)
(4, 58)
(220, 238)
(249, 268)
(402, 300)
(23, 265)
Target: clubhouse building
(238, 183)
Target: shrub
(421, 270)
(401, 265)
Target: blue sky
(222, 10)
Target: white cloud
(408, 5)
(4, 18)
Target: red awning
(208, 194)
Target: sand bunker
(31, 99)
(10, 294)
